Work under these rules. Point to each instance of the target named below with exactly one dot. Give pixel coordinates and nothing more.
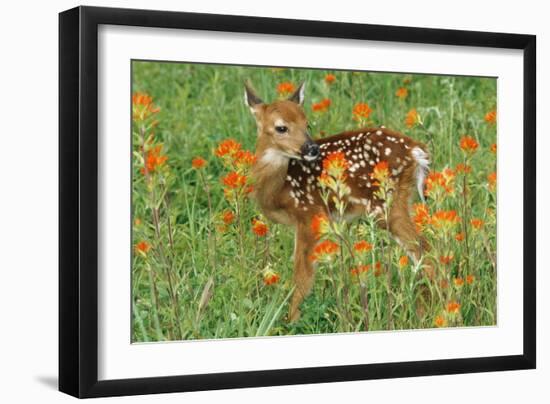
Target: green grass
(195, 281)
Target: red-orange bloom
(270, 277)
(234, 180)
(377, 269)
(421, 216)
(142, 106)
(402, 93)
(259, 228)
(459, 282)
(440, 181)
(198, 163)
(440, 321)
(412, 118)
(492, 178)
(321, 106)
(468, 144)
(446, 259)
(493, 148)
(335, 164)
(361, 111)
(444, 218)
(453, 307)
(154, 159)
(381, 172)
(459, 236)
(228, 217)
(244, 158)
(320, 225)
(325, 250)
(491, 117)
(362, 247)
(477, 223)
(470, 279)
(403, 261)
(142, 247)
(463, 168)
(330, 78)
(285, 88)
(227, 147)
(360, 269)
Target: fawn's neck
(269, 174)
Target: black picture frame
(78, 201)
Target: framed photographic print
(251, 201)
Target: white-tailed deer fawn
(289, 163)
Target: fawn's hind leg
(303, 269)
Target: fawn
(289, 163)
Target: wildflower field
(206, 264)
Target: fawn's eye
(281, 129)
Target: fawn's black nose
(310, 151)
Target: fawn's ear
(251, 99)
(298, 96)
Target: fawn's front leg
(303, 269)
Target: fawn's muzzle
(310, 151)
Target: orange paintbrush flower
(154, 159)
(270, 277)
(459, 236)
(325, 250)
(321, 106)
(477, 223)
(228, 217)
(421, 216)
(492, 178)
(259, 228)
(402, 93)
(470, 279)
(244, 158)
(491, 117)
(228, 147)
(142, 106)
(453, 307)
(463, 168)
(285, 89)
(142, 247)
(468, 144)
(444, 219)
(198, 163)
(362, 247)
(330, 78)
(234, 180)
(493, 148)
(360, 269)
(412, 118)
(459, 282)
(320, 225)
(440, 321)
(446, 259)
(361, 111)
(335, 164)
(403, 261)
(381, 172)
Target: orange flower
(335, 164)
(453, 307)
(320, 225)
(377, 269)
(137, 221)
(421, 216)
(477, 223)
(321, 106)
(470, 279)
(459, 282)
(402, 93)
(142, 247)
(444, 218)
(403, 261)
(493, 148)
(442, 181)
(468, 144)
(244, 158)
(491, 117)
(361, 111)
(154, 159)
(228, 217)
(227, 147)
(446, 259)
(381, 172)
(234, 180)
(330, 78)
(259, 228)
(440, 321)
(362, 247)
(412, 118)
(459, 236)
(285, 88)
(198, 163)
(360, 269)
(142, 106)
(270, 277)
(492, 178)
(463, 168)
(324, 250)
